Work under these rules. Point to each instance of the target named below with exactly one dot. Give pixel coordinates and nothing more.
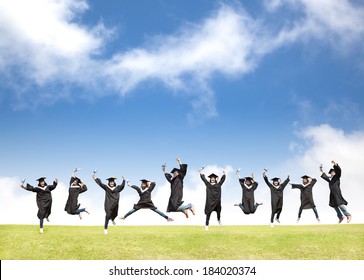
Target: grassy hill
(333, 242)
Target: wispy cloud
(44, 45)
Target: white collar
(249, 187)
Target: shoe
(206, 228)
(87, 211)
(186, 213)
(193, 209)
(80, 215)
(349, 218)
(122, 217)
(113, 222)
(220, 223)
(277, 220)
(41, 230)
(298, 220)
(236, 204)
(271, 225)
(47, 219)
(105, 231)
(170, 220)
(318, 219)
(260, 203)
(341, 219)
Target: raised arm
(52, 187)
(337, 169)
(284, 184)
(325, 177)
(223, 177)
(99, 182)
(183, 169)
(266, 180)
(296, 186)
(122, 185)
(203, 178)
(137, 189)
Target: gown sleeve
(121, 187)
(52, 187)
(296, 186)
(284, 184)
(203, 178)
(183, 169)
(222, 180)
(98, 181)
(325, 177)
(137, 189)
(168, 177)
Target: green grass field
(323, 242)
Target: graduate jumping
(213, 196)
(248, 186)
(112, 195)
(44, 198)
(76, 188)
(175, 203)
(276, 192)
(306, 195)
(145, 201)
(337, 201)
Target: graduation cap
(249, 178)
(213, 175)
(275, 179)
(305, 177)
(111, 179)
(76, 178)
(144, 181)
(175, 169)
(41, 179)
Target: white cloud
(45, 45)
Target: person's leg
(218, 213)
(272, 218)
(345, 212)
(256, 206)
(241, 206)
(278, 215)
(339, 214)
(129, 213)
(161, 213)
(316, 213)
(208, 219)
(41, 221)
(184, 209)
(106, 225)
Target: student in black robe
(145, 200)
(248, 186)
(175, 202)
(213, 196)
(112, 195)
(337, 201)
(306, 195)
(276, 191)
(76, 188)
(44, 199)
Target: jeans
(343, 210)
(185, 207)
(155, 210)
(314, 210)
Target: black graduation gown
(213, 195)
(247, 199)
(72, 201)
(44, 199)
(336, 197)
(112, 195)
(276, 194)
(145, 200)
(306, 194)
(175, 199)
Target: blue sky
(128, 85)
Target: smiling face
(305, 181)
(175, 173)
(248, 182)
(42, 183)
(213, 180)
(276, 183)
(111, 183)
